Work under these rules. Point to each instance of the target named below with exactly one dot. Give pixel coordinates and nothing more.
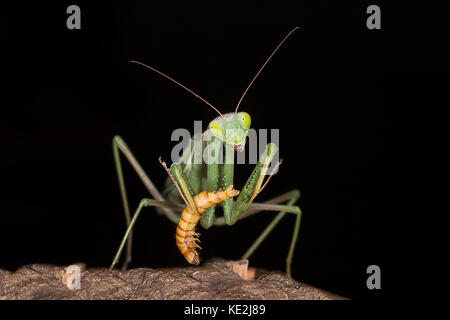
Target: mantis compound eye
(215, 128)
(245, 119)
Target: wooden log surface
(216, 279)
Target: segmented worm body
(186, 237)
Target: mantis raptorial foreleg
(227, 180)
(254, 184)
(212, 176)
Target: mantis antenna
(176, 82)
(259, 71)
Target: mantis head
(231, 128)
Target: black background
(352, 106)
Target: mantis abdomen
(186, 237)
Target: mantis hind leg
(119, 145)
(294, 195)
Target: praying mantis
(187, 179)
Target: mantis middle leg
(143, 203)
(119, 145)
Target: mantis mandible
(230, 131)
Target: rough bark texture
(214, 280)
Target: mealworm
(186, 238)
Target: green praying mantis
(187, 179)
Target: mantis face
(231, 128)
